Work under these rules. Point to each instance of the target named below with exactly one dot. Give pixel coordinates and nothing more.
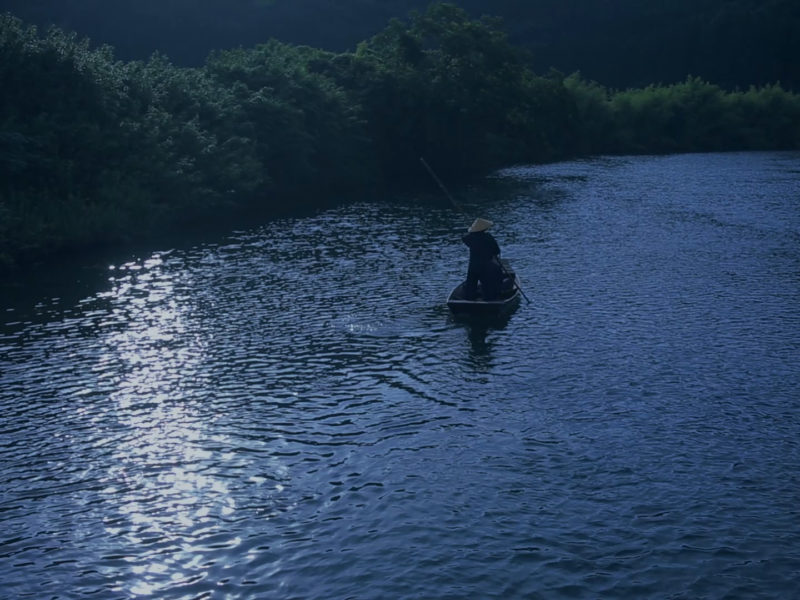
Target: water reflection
(480, 332)
(166, 497)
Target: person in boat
(484, 262)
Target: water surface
(289, 411)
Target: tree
(445, 86)
(308, 134)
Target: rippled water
(291, 412)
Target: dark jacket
(482, 247)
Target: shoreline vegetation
(96, 151)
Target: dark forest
(621, 43)
(103, 140)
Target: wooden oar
(514, 281)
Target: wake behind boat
(509, 299)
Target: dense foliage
(692, 116)
(445, 86)
(623, 43)
(96, 150)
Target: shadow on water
(478, 330)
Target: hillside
(620, 43)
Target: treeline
(94, 150)
(622, 43)
(692, 116)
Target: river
(289, 411)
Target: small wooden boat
(509, 297)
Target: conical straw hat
(480, 225)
